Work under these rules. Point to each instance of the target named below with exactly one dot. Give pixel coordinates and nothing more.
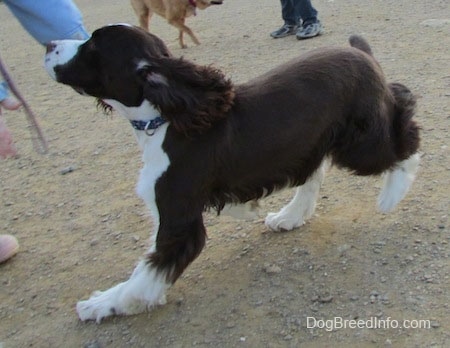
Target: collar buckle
(149, 127)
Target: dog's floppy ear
(189, 96)
(147, 73)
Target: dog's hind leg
(179, 23)
(302, 206)
(399, 179)
(397, 183)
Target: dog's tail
(360, 43)
(406, 144)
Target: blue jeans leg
(3, 90)
(305, 11)
(289, 13)
(292, 11)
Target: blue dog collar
(149, 127)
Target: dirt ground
(82, 228)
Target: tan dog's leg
(179, 23)
(142, 12)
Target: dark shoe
(309, 30)
(285, 30)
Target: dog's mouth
(216, 2)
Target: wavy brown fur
(195, 96)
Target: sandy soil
(82, 228)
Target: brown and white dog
(207, 142)
(175, 11)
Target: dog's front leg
(178, 243)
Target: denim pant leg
(289, 13)
(4, 93)
(50, 19)
(305, 11)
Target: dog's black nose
(50, 47)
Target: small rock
(94, 242)
(67, 170)
(435, 23)
(93, 344)
(428, 278)
(326, 299)
(230, 325)
(315, 298)
(435, 324)
(343, 248)
(373, 299)
(287, 337)
(272, 269)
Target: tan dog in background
(175, 11)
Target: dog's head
(129, 65)
(105, 66)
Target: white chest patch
(156, 163)
(155, 159)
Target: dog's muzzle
(60, 52)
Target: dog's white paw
(283, 222)
(145, 289)
(103, 304)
